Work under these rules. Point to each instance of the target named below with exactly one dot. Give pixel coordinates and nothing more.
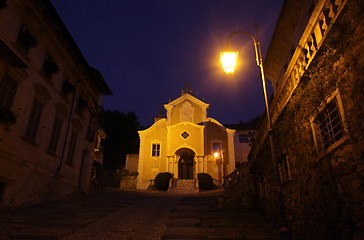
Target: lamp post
(228, 61)
(219, 158)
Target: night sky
(148, 50)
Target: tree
(122, 138)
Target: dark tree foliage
(122, 138)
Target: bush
(127, 178)
(125, 173)
(161, 181)
(205, 181)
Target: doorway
(85, 172)
(185, 163)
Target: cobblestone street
(134, 215)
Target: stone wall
(128, 182)
(324, 193)
(240, 194)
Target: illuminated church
(185, 143)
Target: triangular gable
(186, 108)
(184, 97)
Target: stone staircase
(183, 186)
(200, 216)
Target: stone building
(315, 62)
(55, 96)
(243, 138)
(184, 143)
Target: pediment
(184, 99)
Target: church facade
(185, 143)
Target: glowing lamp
(216, 154)
(228, 61)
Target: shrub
(126, 173)
(205, 181)
(161, 181)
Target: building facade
(54, 96)
(243, 139)
(185, 143)
(315, 62)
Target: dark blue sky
(147, 50)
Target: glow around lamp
(228, 61)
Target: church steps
(197, 217)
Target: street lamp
(219, 161)
(228, 60)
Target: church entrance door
(185, 163)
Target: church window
(156, 150)
(185, 135)
(216, 147)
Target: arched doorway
(185, 163)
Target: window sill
(324, 152)
(31, 141)
(52, 154)
(69, 164)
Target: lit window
(156, 150)
(53, 144)
(34, 120)
(8, 88)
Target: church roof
(186, 96)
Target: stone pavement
(61, 218)
(133, 215)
